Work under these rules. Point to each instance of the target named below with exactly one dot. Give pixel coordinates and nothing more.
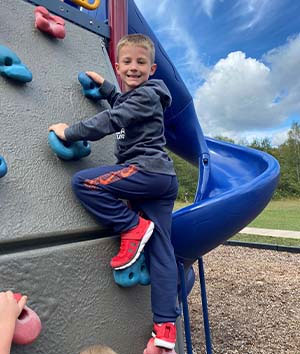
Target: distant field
(281, 215)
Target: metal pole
(187, 328)
(118, 22)
(204, 306)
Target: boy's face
(134, 66)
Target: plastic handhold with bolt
(28, 325)
(68, 151)
(48, 23)
(3, 167)
(87, 4)
(12, 67)
(137, 273)
(90, 88)
(152, 349)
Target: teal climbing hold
(12, 67)
(68, 151)
(90, 88)
(137, 273)
(3, 167)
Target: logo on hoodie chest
(121, 134)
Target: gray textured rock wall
(69, 283)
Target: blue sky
(240, 59)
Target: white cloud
(174, 36)
(243, 95)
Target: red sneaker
(152, 349)
(132, 244)
(164, 335)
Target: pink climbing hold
(152, 349)
(51, 24)
(28, 325)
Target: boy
(144, 175)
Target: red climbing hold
(51, 24)
(28, 325)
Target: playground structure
(50, 247)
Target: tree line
(287, 154)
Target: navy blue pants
(101, 189)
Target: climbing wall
(50, 247)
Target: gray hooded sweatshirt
(137, 118)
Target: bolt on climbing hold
(28, 325)
(68, 151)
(48, 23)
(137, 273)
(12, 67)
(90, 88)
(3, 167)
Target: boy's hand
(96, 77)
(10, 310)
(59, 129)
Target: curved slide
(235, 183)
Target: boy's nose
(133, 66)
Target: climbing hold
(137, 273)
(152, 349)
(12, 67)
(3, 167)
(28, 325)
(87, 4)
(68, 151)
(51, 24)
(90, 88)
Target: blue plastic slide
(235, 183)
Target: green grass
(279, 241)
(279, 214)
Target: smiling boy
(144, 175)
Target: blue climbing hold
(3, 167)
(68, 151)
(12, 67)
(90, 88)
(137, 273)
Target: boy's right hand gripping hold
(132, 244)
(95, 77)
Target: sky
(240, 60)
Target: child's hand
(59, 129)
(96, 77)
(9, 307)
(10, 310)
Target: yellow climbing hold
(87, 5)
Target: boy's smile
(134, 66)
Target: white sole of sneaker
(163, 344)
(145, 239)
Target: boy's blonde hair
(139, 40)
(98, 349)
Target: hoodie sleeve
(136, 108)
(109, 92)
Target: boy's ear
(117, 67)
(153, 69)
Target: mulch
(253, 299)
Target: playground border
(265, 246)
